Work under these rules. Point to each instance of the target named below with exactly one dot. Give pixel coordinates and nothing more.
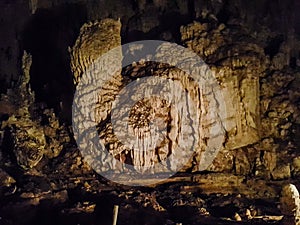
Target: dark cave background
(55, 25)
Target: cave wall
(261, 115)
(246, 52)
(10, 48)
(268, 114)
(140, 19)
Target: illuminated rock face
(257, 111)
(94, 40)
(238, 68)
(290, 205)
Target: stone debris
(31, 140)
(290, 205)
(84, 207)
(281, 172)
(237, 217)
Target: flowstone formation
(95, 39)
(252, 85)
(257, 72)
(142, 154)
(237, 64)
(33, 131)
(260, 107)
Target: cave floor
(37, 199)
(95, 209)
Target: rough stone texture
(143, 155)
(31, 140)
(281, 172)
(296, 167)
(237, 70)
(92, 43)
(260, 168)
(259, 97)
(94, 40)
(279, 112)
(28, 139)
(290, 205)
(238, 82)
(257, 104)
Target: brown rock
(94, 40)
(296, 166)
(241, 163)
(290, 205)
(281, 172)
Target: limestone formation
(237, 64)
(30, 139)
(296, 166)
(281, 172)
(95, 39)
(258, 99)
(290, 205)
(256, 66)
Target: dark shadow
(47, 37)
(273, 46)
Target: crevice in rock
(224, 14)
(273, 46)
(168, 28)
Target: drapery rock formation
(241, 68)
(145, 155)
(238, 71)
(95, 39)
(237, 65)
(246, 72)
(253, 112)
(252, 49)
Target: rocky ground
(88, 199)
